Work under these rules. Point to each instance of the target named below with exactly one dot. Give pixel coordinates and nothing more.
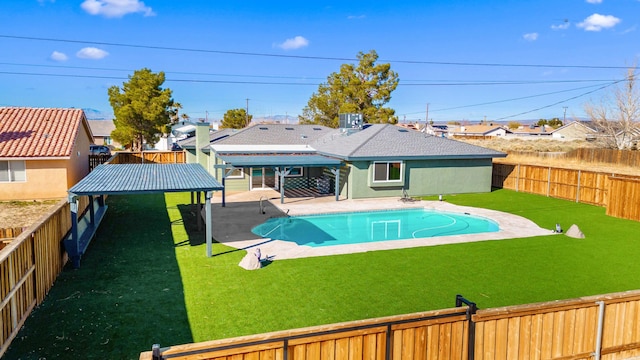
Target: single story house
(101, 130)
(479, 130)
(43, 152)
(374, 160)
(532, 130)
(575, 130)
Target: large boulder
(251, 261)
(575, 232)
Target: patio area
(244, 210)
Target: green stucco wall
(422, 177)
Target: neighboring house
(533, 130)
(436, 130)
(410, 126)
(179, 131)
(101, 130)
(575, 130)
(43, 152)
(374, 161)
(479, 130)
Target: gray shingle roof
(375, 141)
(101, 127)
(276, 134)
(190, 143)
(379, 141)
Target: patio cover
(121, 179)
(283, 164)
(279, 160)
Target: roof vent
(304, 136)
(403, 130)
(289, 128)
(317, 128)
(263, 128)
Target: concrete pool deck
(232, 224)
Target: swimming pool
(371, 226)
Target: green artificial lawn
(146, 278)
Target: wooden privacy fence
(625, 197)
(589, 156)
(570, 184)
(8, 234)
(29, 266)
(144, 157)
(440, 334)
(98, 159)
(596, 327)
(608, 156)
(620, 194)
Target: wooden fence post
(578, 191)
(548, 181)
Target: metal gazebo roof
(121, 179)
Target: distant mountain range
(93, 114)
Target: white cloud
(115, 8)
(355, 17)
(58, 56)
(530, 36)
(295, 43)
(562, 26)
(91, 53)
(597, 22)
(594, 1)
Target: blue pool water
(362, 227)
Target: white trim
(241, 176)
(261, 148)
(296, 175)
(35, 158)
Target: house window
(295, 172)
(11, 171)
(107, 140)
(236, 173)
(387, 171)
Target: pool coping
(234, 230)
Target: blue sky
(468, 60)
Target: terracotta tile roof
(38, 132)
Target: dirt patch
(23, 213)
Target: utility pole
(246, 115)
(564, 119)
(426, 119)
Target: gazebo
(123, 179)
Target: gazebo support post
(73, 205)
(285, 171)
(198, 212)
(208, 222)
(336, 172)
(92, 211)
(223, 191)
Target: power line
(166, 72)
(473, 83)
(242, 53)
(403, 82)
(560, 102)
